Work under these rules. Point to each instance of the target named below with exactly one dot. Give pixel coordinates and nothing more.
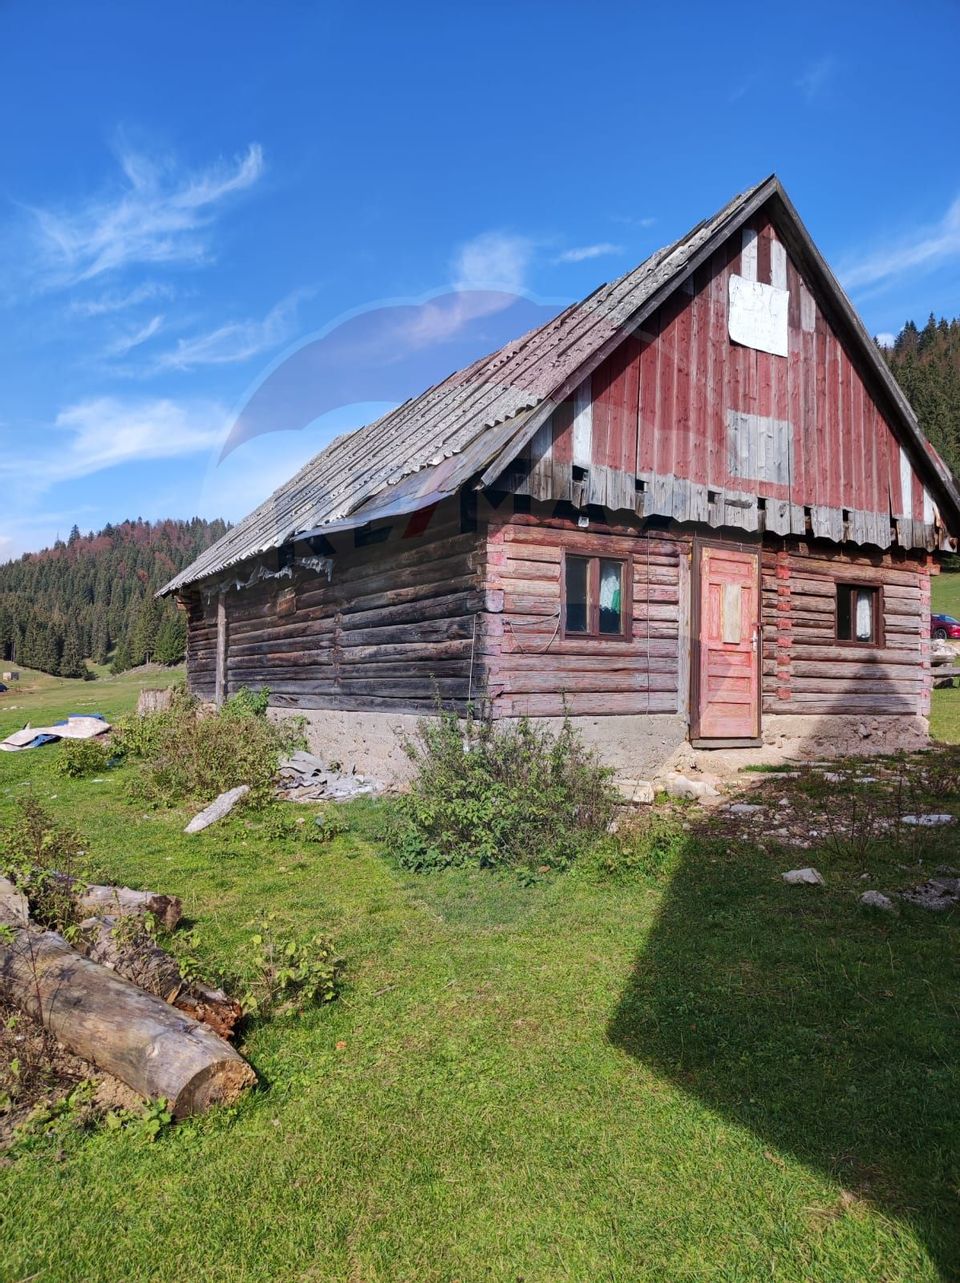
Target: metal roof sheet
(477, 419)
(470, 417)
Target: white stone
(682, 786)
(744, 808)
(876, 900)
(803, 877)
(636, 791)
(928, 821)
(217, 809)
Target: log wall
(806, 671)
(435, 610)
(532, 669)
(392, 629)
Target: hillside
(927, 366)
(93, 597)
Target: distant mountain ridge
(92, 596)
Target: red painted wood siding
(660, 402)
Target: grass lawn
(945, 593)
(703, 1076)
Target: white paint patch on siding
(583, 425)
(906, 485)
(748, 257)
(758, 316)
(928, 509)
(808, 310)
(760, 448)
(778, 265)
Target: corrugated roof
(476, 420)
(454, 430)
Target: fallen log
(139, 959)
(136, 1036)
(125, 902)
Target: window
(858, 614)
(596, 594)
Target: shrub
(499, 795)
(46, 861)
(78, 758)
(283, 973)
(192, 754)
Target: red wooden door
(729, 686)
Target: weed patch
(192, 754)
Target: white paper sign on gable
(758, 315)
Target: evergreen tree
(143, 640)
(76, 598)
(122, 657)
(172, 638)
(71, 660)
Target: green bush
(46, 861)
(78, 758)
(284, 973)
(192, 754)
(499, 795)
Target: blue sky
(189, 193)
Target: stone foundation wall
(637, 747)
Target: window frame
(854, 585)
(592, 632)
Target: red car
(944, 626)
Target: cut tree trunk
(138, 959)
(125, 902)
(136, 1036)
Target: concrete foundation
(637, 747)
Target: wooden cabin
(693, 510)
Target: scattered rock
(678, 785)
(14, 906)
(744, 808)
(876, 900)
(803, 877)
(639, 792)
(306, 778)
(928, 821)
(223, 805)
(938, 894)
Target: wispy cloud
(814, 78)
(633, 220)
(105, 432)
(886, 339)
(494, 261)
(108, 303)
(159, 215)
(233, 342)
(125, 343)
(928, 247)
(581, 253)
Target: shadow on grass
(830, 1032)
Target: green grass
(715, 1077)
(945, 593)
